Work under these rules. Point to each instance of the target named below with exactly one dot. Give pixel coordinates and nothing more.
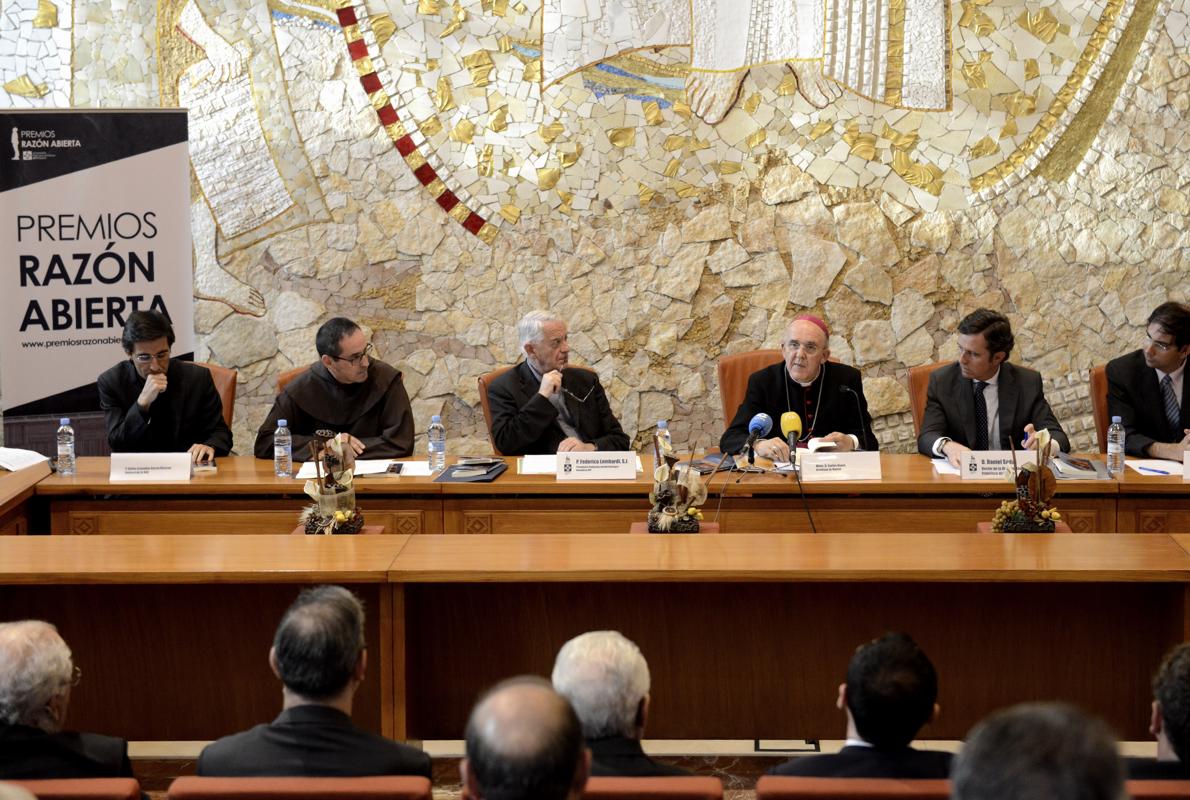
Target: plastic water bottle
(65, 447)
(1115, 448)
(282, 450)
(437, 448)
(667, 442)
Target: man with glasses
(347, 391)
(1147, 388)
(154, 404)
(542, 405)
(982, 401)
(828, 396)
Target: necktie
(1171, 405)
(981, 417)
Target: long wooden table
(746, 635)
(16, 494)
(245, 497)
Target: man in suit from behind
(543, 405)
(982, 401)
(319, 655)
(36, 676)
(1147, 388)
(890, 693)
(606, 679)
(1169, 721)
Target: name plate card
(1186, 466)
(827, 466)
(993, 465)
(609, 465)
(150, 467)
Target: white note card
(994, 465)
(150, 467)
(827, 466)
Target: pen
(1154, 471)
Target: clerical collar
(808, 383)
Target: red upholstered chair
(1160, 790)
(919, 382)
(1098, 377)
(684, 788)
(390, 787)
(485, 380)
(772, 787)
(734, 371)
(225, 385)
(83, 788)
(288, 375)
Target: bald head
(524, 741)
(35, 675)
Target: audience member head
(147, 339)
(985, 341)
(318, 649)
(1167, 337)
(524, 742)
(606, 680)
(36, 673)
(891, 690)
(1171, 704)
(545, 340)
(1042, 751)
(805, 346)
(344, 350)
(10, 791)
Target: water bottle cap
(282, 423)
(435, 418)
(64, 421)
(1114, 420)
(662, 424)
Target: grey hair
(529, 329)
(35, 668)
(604, 676)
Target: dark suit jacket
(31, 754)
(188, 412)
(1134, 395)
(836, 412)
(621, 757)
(869, 762)
(525, 423)
(314, 741)
(950, 408)
(1150, 769)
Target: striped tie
(1171, 405)
(981, 417)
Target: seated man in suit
(890, 693)
(319, 654)
(347, 391)
(828, 396)
(606, 680)
(1049, 750)
(982, 400)
(36, 675)
(524, 743)
(1147, 388)
(540, 407)
(1169, 721)
(154, 404)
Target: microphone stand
(797, 473)
(863, 427)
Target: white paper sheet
(548, 465)
(12, 458)
(363, 466)
(943, 466)
(1154, 466)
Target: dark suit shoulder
(27, 753)
(1150, 769)
(870, 762)
(1129, 364)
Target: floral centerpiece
(334, 509)
(1031, 511)
(676, 494)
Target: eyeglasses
(76, 676)
(809, 348)
(145, 358)
(1162, 347)
(578, 399)
(368, 353)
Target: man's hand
(1172, 451)
(355, 443)
(551, 384)
(201, 454)
(154, 385)
(954, 452)
(570, 444)
(774, 449)
(1030, 437)
(843, 442)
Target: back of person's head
(319, 642)
(994, 326)
(891, 690)
(1174, 319)
(605, 678)
(1041, 751)
(326, 341)
(1171, 690)
(35, 675)
(146, 326)
(524, 742)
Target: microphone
(863, 428)
(760, 426)
(791, 428)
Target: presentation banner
(94, 224)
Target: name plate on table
(993, 465)
(610, 465)
(150, 467)
(1186, 466)
(827, 466)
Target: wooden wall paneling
(542, 513)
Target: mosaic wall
(677, 177)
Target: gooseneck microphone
(758, 427)
(863, 428)
(791, 427)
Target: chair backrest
(288, 375)
(1160, 790)
(383, 787)
(669, 788)
(919, 382)
(1098, 377)
(772, 787)
(734, 371)
(225, 385)
(485, 380)
(83, 788)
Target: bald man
(524, 742)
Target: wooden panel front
(542, 514)
(1164, 513)
(746, 661)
